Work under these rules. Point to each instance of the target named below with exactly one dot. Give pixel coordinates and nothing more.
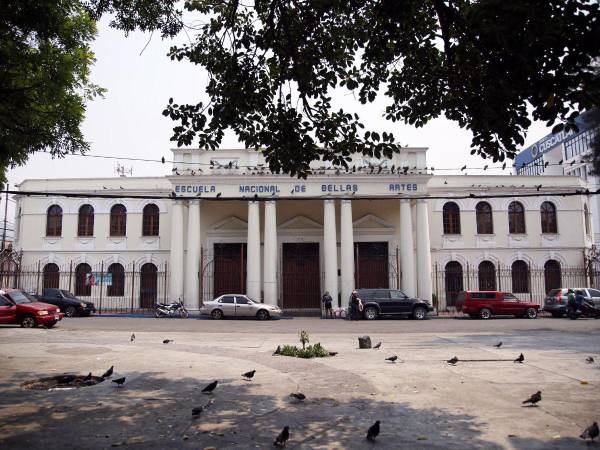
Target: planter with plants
(307, 351)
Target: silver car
(239, 305)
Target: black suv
(67, 302)
(383, 302)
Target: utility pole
(5, 213)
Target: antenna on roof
(123, 171)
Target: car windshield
(20, 297)
(67, 294)
(250, 300)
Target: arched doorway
(51, 276)
(552, 275)
(454, 281)
(487, 276)
(83, 287)
(148, 285)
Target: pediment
(230, 223)
(371, 221)
(300, 223)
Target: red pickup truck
(16, 306)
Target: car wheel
(485, 313)
(217, 314)
(50, 325)
(70, 311)
(556, 315)
(371, 313)
(263, 314)
(28, 322)
(419, 313)
(531, 313)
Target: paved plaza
(422, 401)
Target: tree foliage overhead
(273, 65)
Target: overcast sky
(128, 121)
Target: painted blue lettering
(176, 188)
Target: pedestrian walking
(355, 306)
(328, 305)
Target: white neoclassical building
(221, 223)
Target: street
(421, 401)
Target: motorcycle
(175, 309)
(586, 309)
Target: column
(347, 251)
(407, 256)
(270, 257)
(253, 256)
(176, 258)
(424, 286)
(330, 250)
(192, 261)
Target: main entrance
(229, 269)
(371, 265)
(301, 281)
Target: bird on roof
(534, 399)
(463, 167)
(282, 438)
(503, 166)
(453, 360)
(373, 431)
(166, 341)
(298, 396)
(119, 381)
(591, 432)
(218, 195)
(589, 360)
(108, 373)
(210, 387)
(162, 159)
(249, 375)
(132, 337)
(520, 358)
(538, 187)
(392, 358)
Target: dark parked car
(556, 300)
(384, 302)
(67, 302)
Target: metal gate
(301, 281)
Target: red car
(485, 304)
(16, 306)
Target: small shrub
(304, 338)
(312, 351)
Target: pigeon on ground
(333, 353)
(590, 432)
(589, 360)
(498, 345)
(520, 359)
(197, 411)
(373, 431)
(452, 360)
(392, 358)
(119, 381)
(108, 373)
(88, 377)
(132, 337)
(249, 375)
(534, 398)
(210, 387)
(377, 346)
(277, 350)
(298, 396)
(166, 341)
(283, 437)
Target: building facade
(221, 223)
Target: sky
(140, 79)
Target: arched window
(548, 216)
(117, 288)
(54, 221)
(118, 220)
(454, 281)
(150, 221)
(586, 218)
(520, 277)
(51, 278)
(552, 275)
(451, 218)
(148, 285)
(516, 218)
(483, 215)
(487, 276)
(83, 286)
(85, 221)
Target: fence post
(166, 288)
(437, 293)
(499, 277)
(398, 269)
(101, 284)
(37, 281)
(201, 276)
(132, 284)
(468, 278)
(70, 276)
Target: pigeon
(88, 377)
(277, 350)
(218, 195)
(377, 346)
(283, 437)
(453, 361)
(590, 432)
(498, 345)
(298, 396)
(333, 353)
(534, 398)
(132, 337)
(166, 341)
(589, 360)
(373, 431)
(249, 375)
(162, 160)
(520, 359)
(392, 358)
(108, 373)
(210, 387)
(197, 411)
(119, 381)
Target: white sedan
(239, 305)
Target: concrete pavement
(422, 402)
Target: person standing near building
(327, 303)
(355, 305)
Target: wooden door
(371, 265)
(229, 269)
(301, 281)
